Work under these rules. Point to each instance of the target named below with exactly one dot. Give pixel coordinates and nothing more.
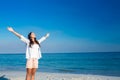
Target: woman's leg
(28, 73)
(33, 71)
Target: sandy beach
(20, 75)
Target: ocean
(98, 63)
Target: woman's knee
(32, 73)
(29, 73)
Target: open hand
(48, 34)
(10, 29)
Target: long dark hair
(31, 42)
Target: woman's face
(32, 35)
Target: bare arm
(43, 38)
(14, 32)
(22, 38)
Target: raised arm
(43, 38)
(22, 38)
(14, 32)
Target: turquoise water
(101, 63)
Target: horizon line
(65, 52)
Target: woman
(33, 52)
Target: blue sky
(74, 25)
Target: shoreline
(20, 75)
(60, 72)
